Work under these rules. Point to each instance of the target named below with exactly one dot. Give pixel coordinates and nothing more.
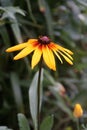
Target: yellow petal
(62, 48)
(67, 54)
(17, 47)
(30, 41)
(36, 57)
(66, 58)
(58, 56)
(54, 48)
(26, 51)
(67, 50)
(48, 57)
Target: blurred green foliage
(65, 22)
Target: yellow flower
(42, 47)
(78, 111)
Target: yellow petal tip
(53, 68)
(71, 63)
(15, 58)
(32, 67)
(7, 50)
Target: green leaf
(84, 3)
(6, 2)
(17, 91)
(43, 5)
(30, 11)
(4, 35)
(33, 97)
(16, 30)
(9, 12)
(23, 123)
(47, 123)
(4, 128)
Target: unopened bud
(78, 111)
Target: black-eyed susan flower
(78, 111)
(42, 47)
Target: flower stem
(77, 121)
(38, 96)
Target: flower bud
(78, 111)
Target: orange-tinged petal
(66, 58)
(58, 48)
(26, 51)
(48, 57)
(17, 47)
(36, 57)
(53, 46)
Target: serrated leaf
(47, 123)
(33, 97)
(23, 123)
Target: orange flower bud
(78, 111)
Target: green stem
(38, 96)
(30, 11)
(77, 121)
